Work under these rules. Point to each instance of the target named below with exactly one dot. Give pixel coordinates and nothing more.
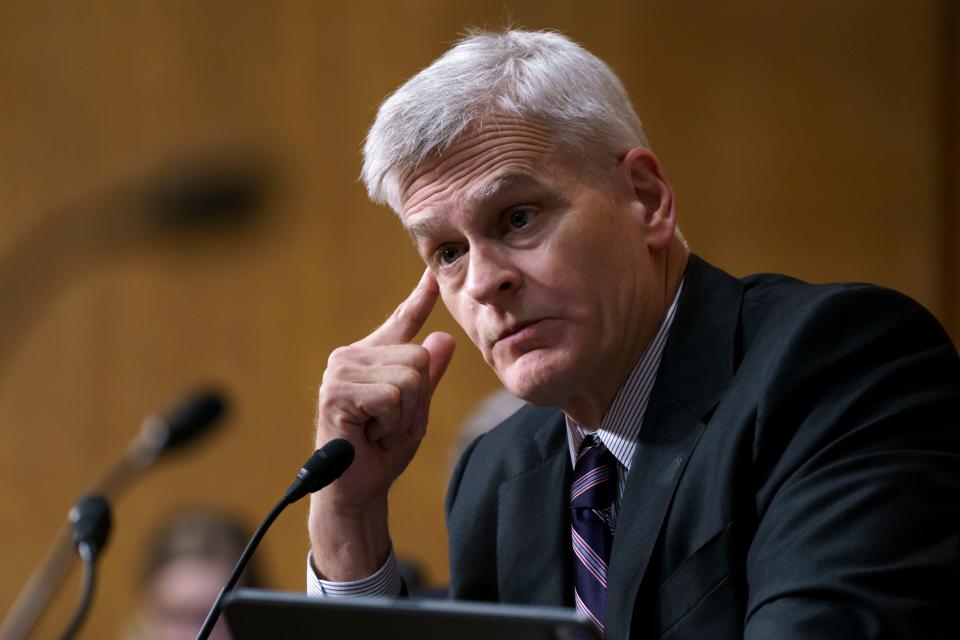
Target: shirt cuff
(385, 583)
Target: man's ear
(650, 195)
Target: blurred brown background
(813, 137)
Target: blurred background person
(186, 564)
(489, 412)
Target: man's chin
(535, 382)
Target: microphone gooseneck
(325, 465)
(91, 521)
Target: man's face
(180, 596)
(550, 276)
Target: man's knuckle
(338, 417)
(386, 399)
(328, 395)
(395, 397)
(410, 379)
(420, 357)
(329, 375)
(336, 356)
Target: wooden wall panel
(800, 137)
(948, 54)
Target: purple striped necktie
(591, 496)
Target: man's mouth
(515, 330)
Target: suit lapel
(528, 553)
(698, 362)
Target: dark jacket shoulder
(515, 446)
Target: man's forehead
(509, 183)
(502, 139)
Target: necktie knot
(593, 476)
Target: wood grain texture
(800, 137)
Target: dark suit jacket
(797, 476)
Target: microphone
(192, 417)
(325, 465)
(186, 422)
(213, 191)
(91, 521)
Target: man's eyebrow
(424, 228)
(502, 184)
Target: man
(757, 457)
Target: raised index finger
(408, 318)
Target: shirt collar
(620, 427)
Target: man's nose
(490, 273)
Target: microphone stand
(92, 522)
(205, 194)
(47, 578)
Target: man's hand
(375, 393)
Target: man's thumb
(441, 346)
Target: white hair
(539, 76)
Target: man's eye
(448, 255)
(518, 218)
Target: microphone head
(325, 465)
(91, 521)
(214, 193)
(193, 417)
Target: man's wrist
(348, 544)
